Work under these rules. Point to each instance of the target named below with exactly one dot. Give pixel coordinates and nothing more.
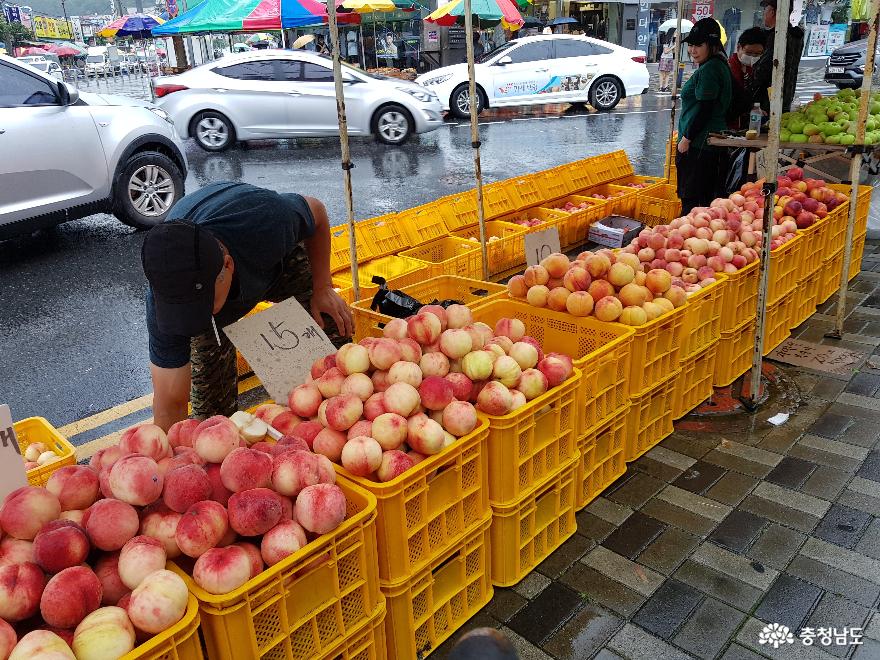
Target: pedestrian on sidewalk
(749, 48)
(667, 59)
(705, 100)
(762, 78)
(222, 250)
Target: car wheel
(392, 124)
(212, 131)
(146, 189)
(605, 94)
(460, 102)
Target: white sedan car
(283, 94)
(555, 68)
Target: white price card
(12, 473)
(280, 344)
(541, 244)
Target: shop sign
(818, 42)
(643, 33)
(703, 9)
(433, 37)
(836, 37)
(51, 28)
(12, 474)
(13, 14)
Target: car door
(311, 102)
(53, 155)
(527, 77)
(252, 95)
(576, 64)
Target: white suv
(544, 69)
(67, 155)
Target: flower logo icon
(775, 635)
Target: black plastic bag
(393, 303)
(737, 171)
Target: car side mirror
(67, 94)
(504, 61)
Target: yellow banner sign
(51, 28)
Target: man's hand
(325, 300)
(683, 145)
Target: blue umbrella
(562, 20)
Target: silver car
(284, 94)
(67, 155)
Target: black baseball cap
(181, 261)
(706, 30)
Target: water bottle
(755, 118)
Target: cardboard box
(614, 231)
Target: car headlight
(421, 94)
(439, 80)
(159, 112)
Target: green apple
(847, 139)
(798, 137)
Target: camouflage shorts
(214, 371)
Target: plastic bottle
(755, 117)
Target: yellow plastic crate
(600, 350)
(347, 294)
(449, 255)
(306, 605)
(430, 507)
(601, 459)
(659, 206)
(656, 350)
(829, 280)
(863, 205)
(340, 248)
(426, 609)
(694, 384)
(623, 201)
(575, 225)
(858, 251)
(526, 532)
(814, 241)
(470, 292)
(459, 210)
(650, 418)
(549, 218)
(645, 185)
(382, 235)
(785, 268)
(527, 189)
(241, 364)
(837, 220)
(500, 199)
(740, 297)
(421, 224)
(38, 429)
(505, 253)
(553, 183)
(397, 271)
(603, 168)
(734, 355)
(702, 320)
(777, 327)
(180, 642)
(805, 300)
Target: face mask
(748, 60)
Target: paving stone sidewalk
(711, 536)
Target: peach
(363, 427)
(107, 570)
(495, 399)
(267, 412)
(532, 384)
(60, 544)
(410, 350)
(506, 343)
(525, 354)
(138, 558)
(254, 512)
(105, 633)
(556, 368)
(181, 433)
(425, 328)
(676, 295)
(69, 596)
(307, 431)
(658, 281)
(160, 522)
(330, 442)
(395, 329)
(21, 586)
(352, 359)
(435, 392)
(456, 343)
(424, 434)
(305, 399)
(534, 276)
(401, 398)
(186, 456)
(15, 551)
(75, 486)
(495, 349)
(506, 371)
(159, 602)
(359, 385)
(459, 418)
(557, 298)
(599, 289)
(344, 410)
(556, 264)
(361, 456)
(384, 353)
(25, 510)
(458, 316)
(254, 555)
(214, 438)
(146, 440)
(187, 485)
(221, 570)
(285, 423)
(330, 382)
(435, 364)
(538, 296)
(380, 381)
(394, 463)
(320, 508)
(405, 372)
(136, 480)
(461, 385)
(110, 523)
(202, 527)
(103, 459)
(436, 310)
(389, 430)
(293, 471)
(244, 469)
(608, 308)
(8, 639)
(282, 541)
(477, 365)
(43, 644)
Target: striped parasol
(485, 13)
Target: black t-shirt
(260, 228)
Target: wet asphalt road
(72, 336)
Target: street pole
(672, 147)
(773, 127)
(475, 131)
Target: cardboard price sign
(280, 344)
(541, 244)
(12, 474)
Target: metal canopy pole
(855, 169)
(672, 147)
(343, 141)
(773, 126)
(475, 131)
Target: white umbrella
(672, 23)
(304, 40)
